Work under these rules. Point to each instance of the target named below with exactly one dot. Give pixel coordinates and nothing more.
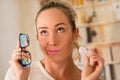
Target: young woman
(57, 36)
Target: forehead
(51, 15)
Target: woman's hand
(21, 73)
(92, 72)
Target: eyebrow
(45, 27)
(60, 24)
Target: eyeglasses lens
(23, 40)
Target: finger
(99, 60)
(15, 64)
(16, 52)
(94, 52)
(25, 55)
(15, 60)
(16, 57)
(87, 60)
(18, 43)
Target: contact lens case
(84, 50)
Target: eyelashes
(60, 30)
(46, 32)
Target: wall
(16, 16)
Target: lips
(53, 51)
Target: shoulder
(9, 74)
(35, 66)
(37, 72)
(36, 69)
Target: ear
(76, 34)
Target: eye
(60, 30)
(44, 33)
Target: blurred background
(16, 16)
(98, 21)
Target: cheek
(42, 43)
(67, 46)
(68, 42)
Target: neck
(59, 69)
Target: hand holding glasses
(25, 55)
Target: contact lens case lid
(84, 50)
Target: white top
(37, 72)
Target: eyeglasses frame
(25, 51)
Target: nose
(52, 39)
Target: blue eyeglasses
(25, 55)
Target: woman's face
(55, 34)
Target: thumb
(86, 60)
(18, 43)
